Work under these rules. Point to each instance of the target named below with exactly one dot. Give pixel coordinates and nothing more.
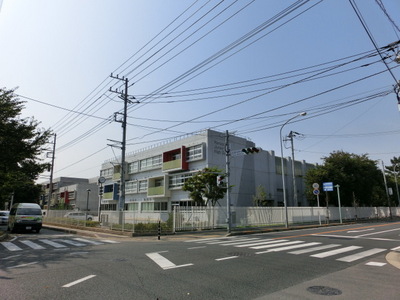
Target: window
(195, 152)
(159, 182)
(151, 162)
(143, 186)
(154, 206)
(133, 206)
(107, 172)
(178, 180)
(133, 167)
(131, 186)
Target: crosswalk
(41, 244)
(295, 247)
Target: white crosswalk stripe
(52, 243)
(279, 249)
(32, 245)
(266, 242)
(335, 252)
(271, 245)
(239, 241)
(88, 241)
(275, 244)
(313, 249)
(58, 243)
(360, 255)
(10, 246)
(69, 242)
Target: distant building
(72, 193)
(155, 175)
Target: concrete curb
(393, 258)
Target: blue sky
(243, 66)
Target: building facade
(155, 175)
(72, 193)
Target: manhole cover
(324, 290)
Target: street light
(283, 170)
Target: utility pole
(290, 136)
(53, 155)
(386, 188)
(124, 96)
(227, 170)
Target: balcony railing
(172, 164)
(156, 191)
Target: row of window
(193, 153)
(140, 186)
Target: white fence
(197, 218)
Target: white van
(26, 216)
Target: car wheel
(89, 219)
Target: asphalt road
(345, 262)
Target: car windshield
(29, 211)
(3, 213)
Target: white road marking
(10, 246)
(88, 241)
(362, 230)
(163, 262)
(262, 243)
(378, 232)
(69, 242)
(225, 258)
(241, 241)
(334, 252)
(375, 264)
(78, 281)
(110, 241)
(200, 247)
(395, 249)
(23, 265)
(53, 244)
(313, 249)
(33, 245)
(12, 256)
(289, 247)
(360, 255)
(276, 244)
(335, 235)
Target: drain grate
(324, 290)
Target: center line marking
(79, 281)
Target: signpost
(340, 208)
(316, 193)
(327, 186)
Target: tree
(393, 178)
(21, 142)
(203, 188)
(260, 198)
(359, 178)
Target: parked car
(4, 216)
(26, 216)
(78, 216)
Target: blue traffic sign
(327, 186)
